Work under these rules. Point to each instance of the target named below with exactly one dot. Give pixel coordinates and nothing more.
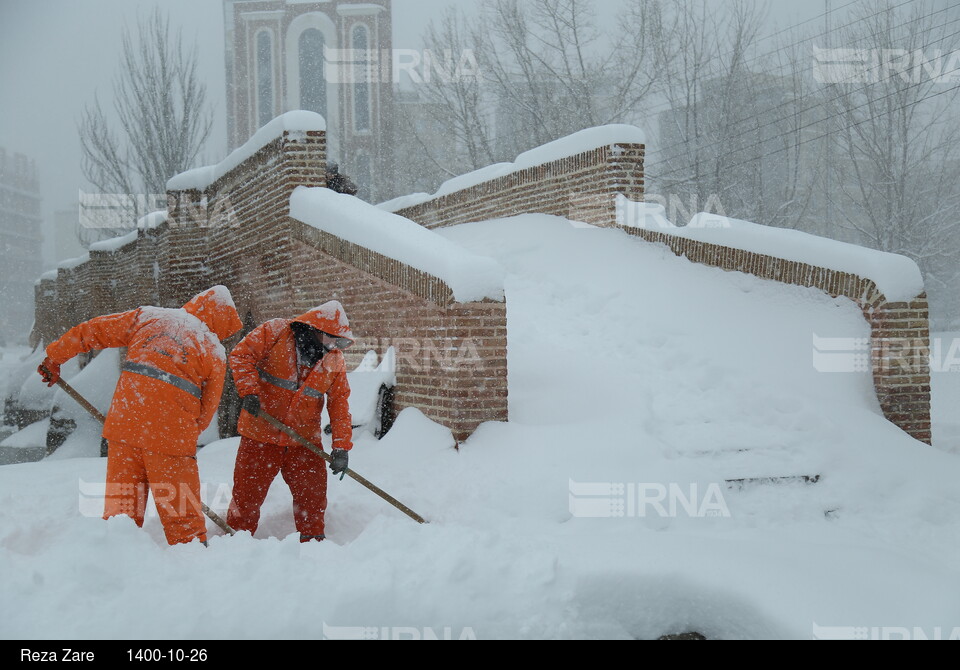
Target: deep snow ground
(628, 367)
(946, 394)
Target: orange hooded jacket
(265, 364)
(171, 382)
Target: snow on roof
(200, 178)
(896, 276)
(572, 145)
(471, 277)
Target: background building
(331, 57)
(21, 244)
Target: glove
(338, 462)
(251, 403)
(50, 372)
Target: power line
(828, 134)
(850, 79)
(824, 101)
(668, 105)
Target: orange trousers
(303, 471)
(174, 482)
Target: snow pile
(630, 369)
(471, 277)
(897, 277)
(17, 365)
(96, 383)
(565, 147)
(945, 382)
(34, 435)
(365, 384)
(297, 123)
(34, 394)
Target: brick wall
(900, 332)
(580, 188)
(238, 232)
(452, 357)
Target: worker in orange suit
(286, 368)
(168, 394)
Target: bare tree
(545, 71)
(724, 118)
(161, 117)
(555, 72)
(897, 142)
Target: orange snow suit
(265, 364)
(168, 393)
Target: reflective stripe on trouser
(257, 466)
(164, 376)
(173, 480)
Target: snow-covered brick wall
(471, 278)
(576, 177)
(441, 308)
(897, 277)
(888, 288)
(451, 357)
(294, 126)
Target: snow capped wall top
(200, 178)
(49, 275)
(578, 143)
(115, 243)
(153, 220)
(896, 276)
(71, 263)
(572, 145)
(471, 277)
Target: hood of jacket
(216, 309)
(330, 318)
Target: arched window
(361, 87)
(264, 78)
(313, 79)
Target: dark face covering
(310, 349)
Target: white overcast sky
(56, 54)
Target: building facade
(332, 57)
(21, 242)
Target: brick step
(748, 482)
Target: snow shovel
(95, 413)
(300, 439)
